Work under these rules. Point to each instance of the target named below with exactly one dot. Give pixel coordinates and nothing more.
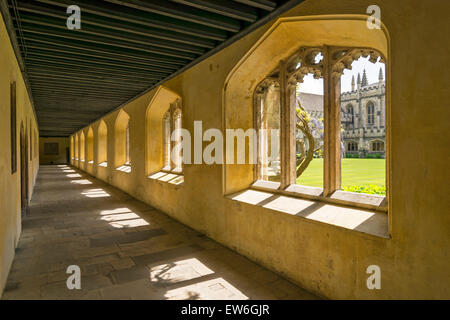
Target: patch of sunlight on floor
(115, 211)
(174, 272)
(68, 171)
(132, 223)
(215, 289)
(103, 164)
(95, 193)
(75, 175)
(91, 162)
(82, 181)
(120, 216)
(124, 168)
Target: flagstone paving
(125, 250)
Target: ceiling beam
(77, 64)
(261, 4)
(135, 16)
(119, 41)
(51, 69)
(181, 12)
(92, 82)
(104, 49)
(125, 26)
(73, 58)
(223, 7)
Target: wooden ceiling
(123, 49)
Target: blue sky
(311, 85)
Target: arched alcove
(281, 41)
(82, 146)
(90, 146)
(77, 147)
(121, 140)
(72, 145)
(102, 145)
(158, 110)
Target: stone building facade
(363, 117)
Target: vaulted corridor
(125, 250)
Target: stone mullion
(287, 130)
(332, 121)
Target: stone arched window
(370, 113)
(72, 151)
(267, 121)
(90, 146)
(310, 124)
(127, 141)
(377, 145)
(102, 144)
(82, 147)
(77, 147)
(176, 136)
(350, 116)
(172, 124)
(163, 116)
(122, 142)
(166, 140)
(352, 146)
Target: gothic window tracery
(172, 124)
(306, 132)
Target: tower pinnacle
(364, 81)
(380, 76)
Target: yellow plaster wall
(61, 157)
(327, 260)
(10, 216)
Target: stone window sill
(368, 222)
(168, 177)
(353, 199)
(124, 168)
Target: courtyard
(355, 172)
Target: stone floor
(125, 250)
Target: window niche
(163, 118)
(102, 145)
(314, 127)
(90, 146)
(77, 147)
(171, 122)
(122, 157)
(267, 120)
(82, 147)
(72, 151)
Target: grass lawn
(354, 172)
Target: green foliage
(368, 189)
